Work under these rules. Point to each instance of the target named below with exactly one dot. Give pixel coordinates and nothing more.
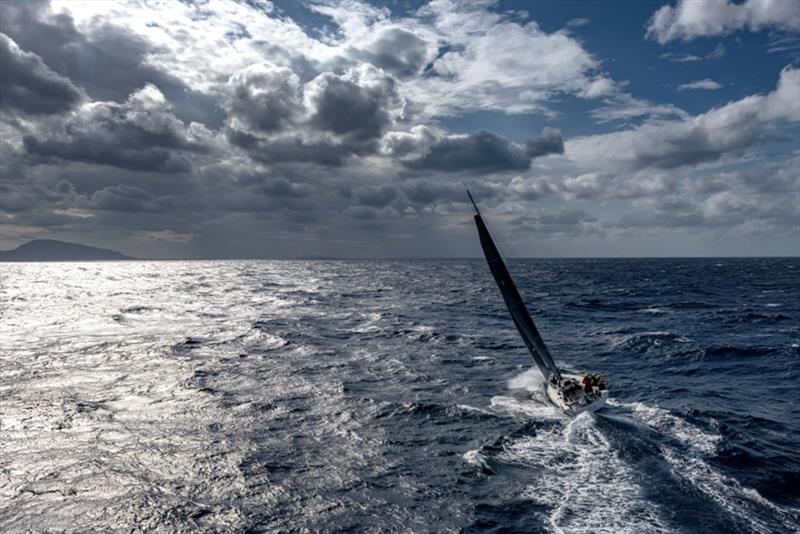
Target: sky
(257, 129)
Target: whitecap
(477, 459)
(530, 380)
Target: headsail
(519, 313)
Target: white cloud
(733, 128)
(691, 19)
(706, 84)
(624, 106)
(492, 62)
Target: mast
(516, 307)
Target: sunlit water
(395, 395)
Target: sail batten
(516, 307)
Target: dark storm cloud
(480, 151)
(28, 85)
(346, 107)
(264, 97)
(140, 134)
(549, 142)
(324, 122)
(397, 51)
(109, 61)
(293, 149)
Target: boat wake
(622, 470)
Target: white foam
(585, 485)
(739, 501)
(477, 459)
(537, 409)
(696, 439)
(744, 503)
(531, 380)
(654, 310)
(370, 323)
(468, 408)
(263, 340)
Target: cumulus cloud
(484, 152)
(120, 59)
(549, 142)
(706, 84)
(490, 61)
(263, 97)
(691, 19)
(224, 122)
(397, 51)
(735, 127)
(28, 85)
(333, 116)
(359, 104)
(139, 134)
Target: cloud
(691, 19)
(623, 106)
(325, 121)
(29, 86)
(122, 198)
(370, 213)
(376, 196)
(263, 98)
(577, 22)
(706, 84)
(427, 191)
(549, 142)
(397, 51)
(139, 134)
(558, 222)
(731, 129)
(485, 152)
(237, 122)
(717, 53)
(489, 61)
(358, 104)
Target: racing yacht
(566, 391)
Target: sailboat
(566, 391)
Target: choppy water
(394, 395)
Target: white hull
(578, 401)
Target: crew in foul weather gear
(587, 383)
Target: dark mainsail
(519, 313)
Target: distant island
(52, 250)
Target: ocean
(261, 396)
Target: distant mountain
(52, 250)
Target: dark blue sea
(260, 396)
